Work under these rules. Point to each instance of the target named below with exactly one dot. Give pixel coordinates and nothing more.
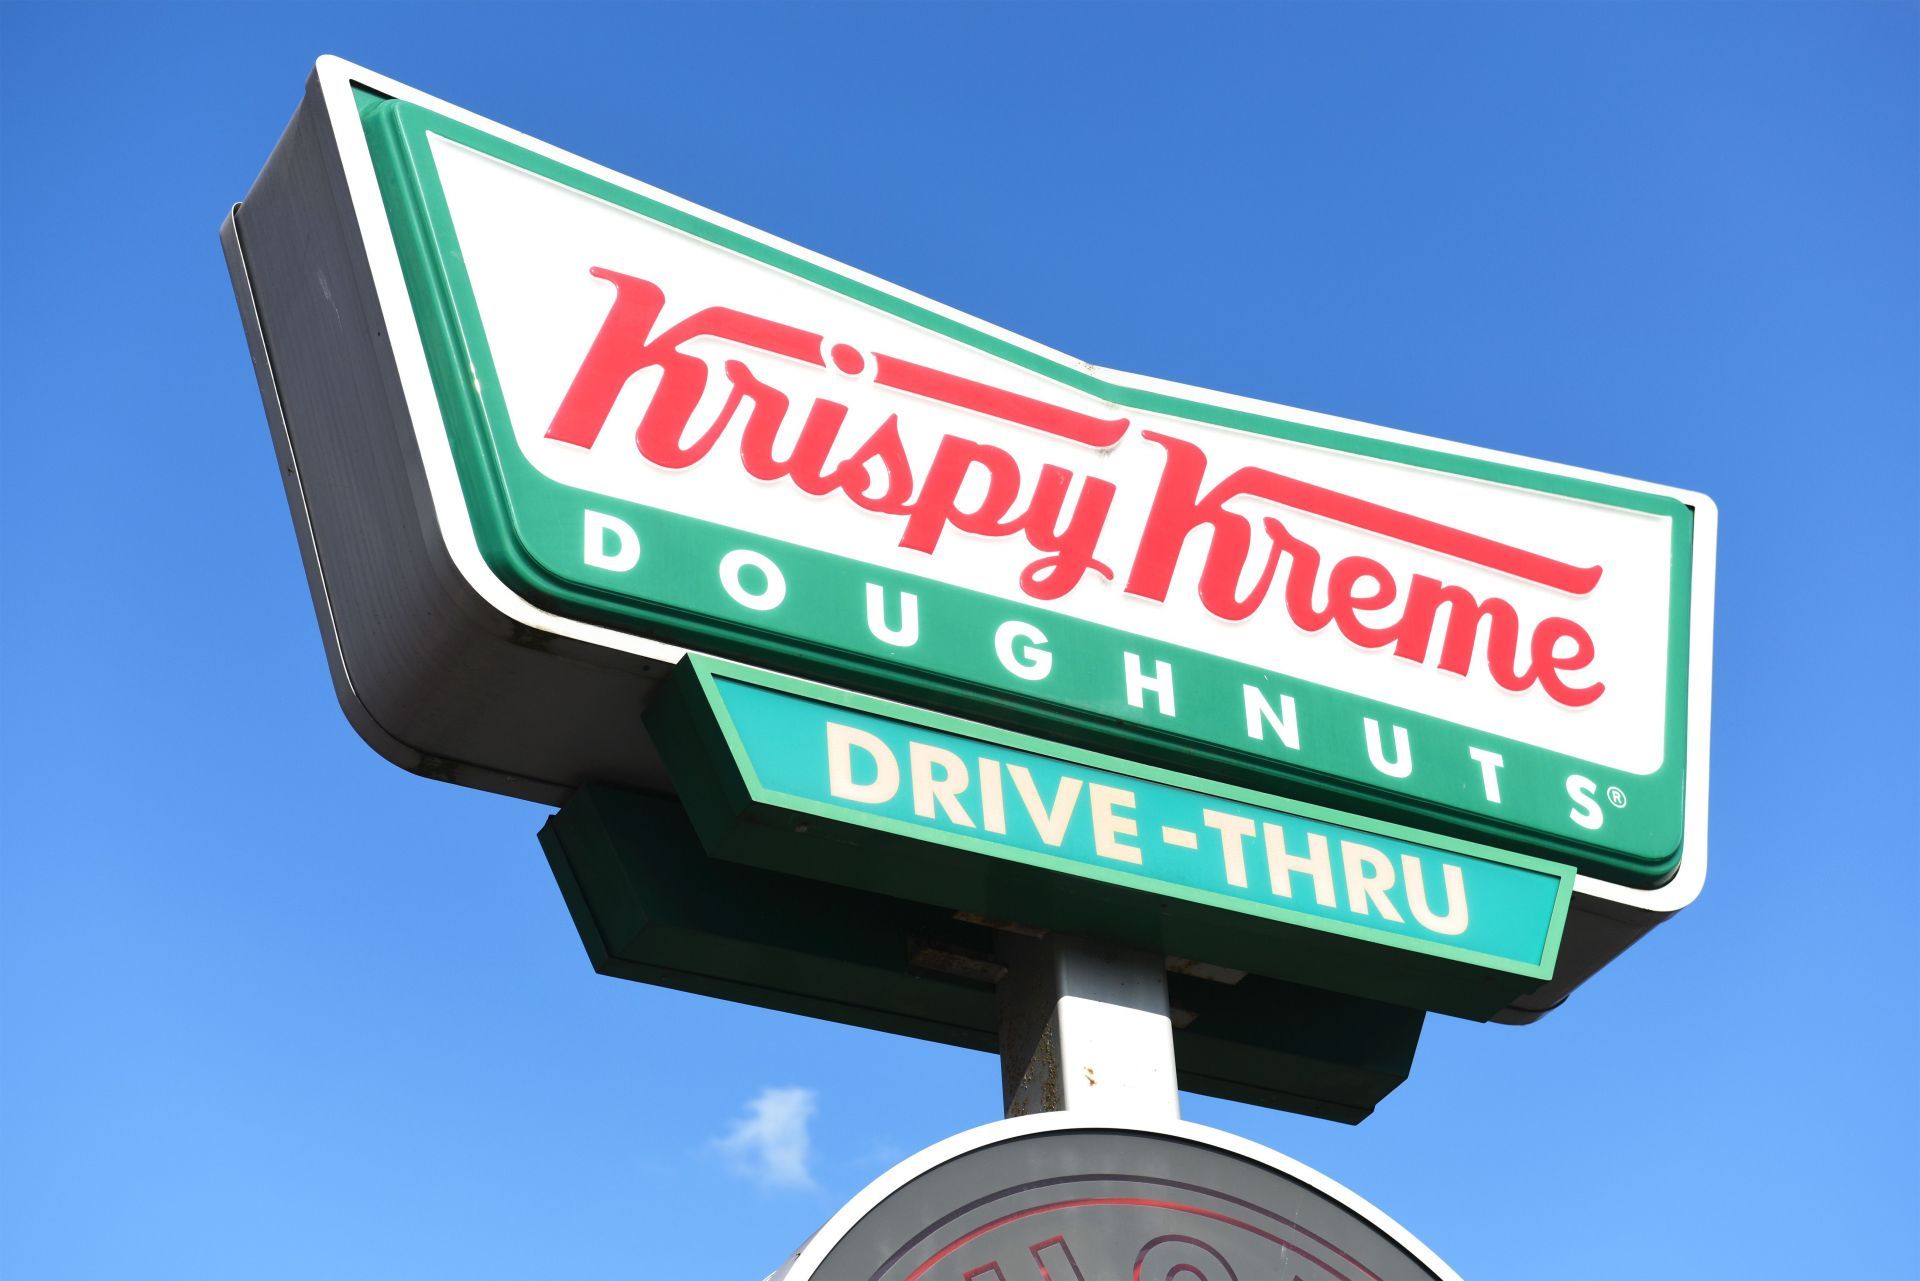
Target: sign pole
(1085, 1027)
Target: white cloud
(770, 1145)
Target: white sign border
(337, 77)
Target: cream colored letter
(922, 760)
(1050, 823)
(841, 742)
(1107, 825)
(1281, 865)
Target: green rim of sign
(528, 528)
(754, 780)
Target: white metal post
(1085, 1027)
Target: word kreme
(1063, 522)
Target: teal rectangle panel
(953, 785)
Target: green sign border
(497, 480)
(741, 819)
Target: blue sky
(270, 1007)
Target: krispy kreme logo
(1253, 565)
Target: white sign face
(1362, 573)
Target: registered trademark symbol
(1616, 798)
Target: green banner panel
(805, 779)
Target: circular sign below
(1057, 1198)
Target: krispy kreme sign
(671, 430)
